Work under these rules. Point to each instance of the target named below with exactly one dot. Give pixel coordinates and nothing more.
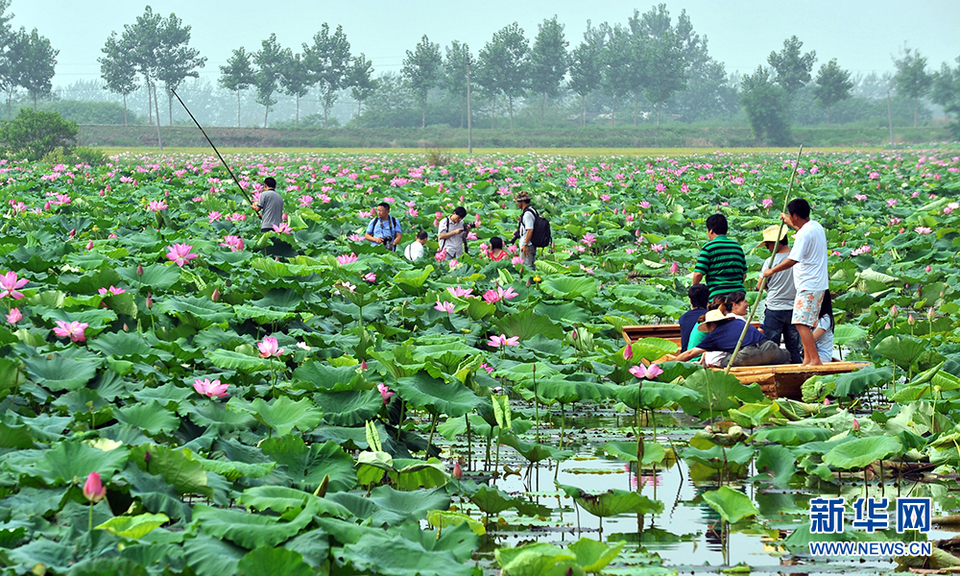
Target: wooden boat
(777, 381)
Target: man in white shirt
(524, 234)
(451, 233)
(809, 262)
(414, 250)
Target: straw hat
(522, 196)
(714, 316)
(770, 234)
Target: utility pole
(469, 115)
(890, 118)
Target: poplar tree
(421, 69)
(238, 75)
(833, 84)
(548, 62)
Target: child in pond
(823, 333)
(496, 253)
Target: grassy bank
(674, 136)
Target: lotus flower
(73, 330)
(156, 206)
(440, 256)
(502, 340)
(14, 316)
(234, 243)
(346, 258)
(491, 296)
(370, 277)
(457, 470)
(460, 292)
(517, 260)
(385, 392)
(507, 294)
(213, 216)
(444, 307)
(210, 389)
(269, 347)
(10, 283)
(112, 290)
(650, 372)
(282, 228)
(180, 253)
(93, 488)
(589, 239)
(674, 268)
(628, 352)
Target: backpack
(541, 237)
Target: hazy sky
(861, 34)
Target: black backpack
(542, 237)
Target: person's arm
(396, 238)
(256, 209)
(785, 265)
(369, 235)
(526, 243)
(691, 353)
(446, 226)
(697, 277)
(817, 333)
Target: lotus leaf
(730, 504)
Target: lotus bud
(139, 269)
(573, 334)
(856, 425)
(911, 320)
(931, 314)
(125, 327)
(894, 311)
(928, 268)
(73, 232)
(826, 401)
(457, 470)
(93, 488)
(363, 364)
(216, 294)
(628, 352)
(90, 245)
(147, 457)
(886, 326)
(149, 301)
(919, 291)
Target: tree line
(27, 61)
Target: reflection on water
(689, 534)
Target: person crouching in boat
(723, 331)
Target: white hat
(714, 316)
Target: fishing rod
(225, 165)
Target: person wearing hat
(524, 233)
(781, 294)
(723, 332)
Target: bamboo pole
(763, 281)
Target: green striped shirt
(722, 263)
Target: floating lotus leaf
(862, 451)
(730, 504)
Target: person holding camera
(452, 233)
(384, 229)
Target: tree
(8, 80)
(327, 60)
(421, 69)
(662, 53)
(35, 59)
(33, 135)
(238, 75)
(766, 105)
(456, 65)
(833, 85)
(295, 78)
(504, 62)
(911, 79)
(361, 81)
(586, 67)
(269, 61)
(946, 92)
(619, 66)
(175, 60)
(548, 61)
(792, 68)
(117, 70)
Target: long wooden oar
(763, 280)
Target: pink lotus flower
(213, 216)
(112, 290)
(460, 292)
(234, 243)
(10, 283)
(649, 372)
(385, 392)
(922, 230)
(517, 260)
(457, 470)
(156, 206)
(444, 307)
(491, 296)
(282, 228)
(502, 340)
(306, 200)
(93, 489)
(928, 268)
(512, 248)
(14, 316)
(346, 259)
(589, 239)
(657, 248)
(355, 238)
(180, 254)
(73, 330)
(440, 256)
(628, 352)
(891, 202)
(370, 277)
(856, 425)
(507, 294)
(454, 263)
(767, 202)
(90, 245)
(210, 389)
(860, 197)
(269, 347)
(674, 268)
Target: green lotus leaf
(134, 527)
(652, 395)
(526, 324)
(730, 504)
(282, 414)
(403, 553)
(178, 468)
(281, 499)
(570, 287)
(776, 464)
(247, 529)
(306, 466)
(653, 452)
(72, 462)
(538, 559)
(862, 451)
(266, 561)
(612, 502)
(148, 416)
(261, 315)
(197, 312)
(349, 407)
(593, 555)
(450, 398)
(494, 501)
(61, 373)
(717, 392)
(792, 435)
(442, 518)
(532, 451)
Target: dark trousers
(777, 323)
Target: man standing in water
(809, 262)
(269, 206)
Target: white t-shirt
(413, 251)
(526, 223)
(810, 253)
(825, 341)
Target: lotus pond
(182, 394)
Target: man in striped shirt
(721, 260)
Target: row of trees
(27, 60)
(650, 64)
